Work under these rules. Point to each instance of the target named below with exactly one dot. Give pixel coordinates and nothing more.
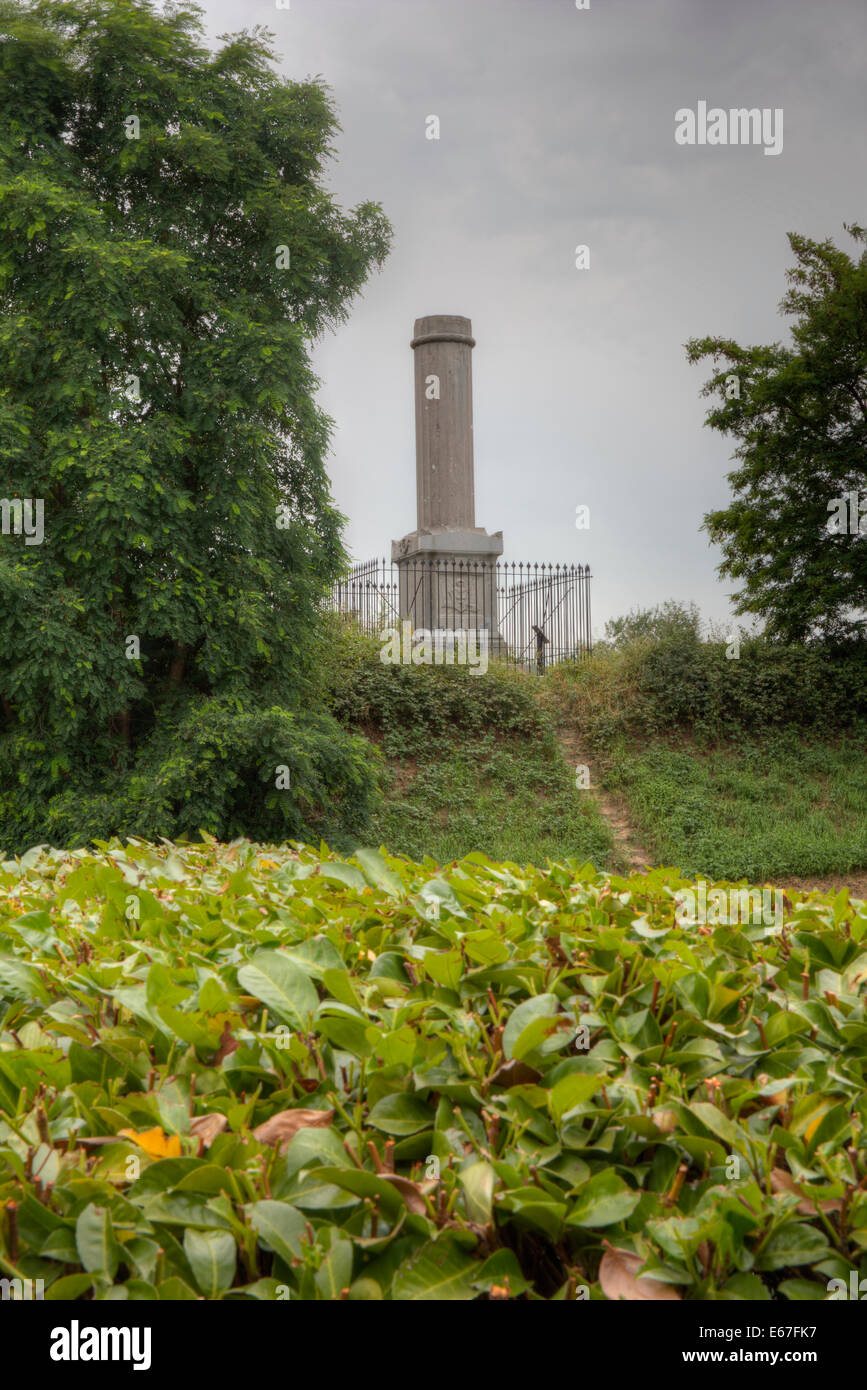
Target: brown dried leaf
(617, 1275)
(283, 1127)
(781, 1181)
(515, 1073)
(411, 1192)
(207, 1127)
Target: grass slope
(470, 763)
(765, 809)
(498, 796)
(752, 768)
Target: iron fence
(536, 615)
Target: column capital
(443, 328)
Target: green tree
(666, 622)
(168, 254)
(799, 414)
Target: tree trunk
(176, 670)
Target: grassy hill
(469, 763)
(753, 768)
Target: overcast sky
(557, 128)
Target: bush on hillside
(660, 675)
(215, 769)
(412, 706)
(664, 622)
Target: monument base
(448, 581)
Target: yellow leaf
(807, 1123)
(217, 1022)
(812, 1127)
(154, 1142)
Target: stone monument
(447, 566)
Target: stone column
(442, 345)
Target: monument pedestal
(447, 580)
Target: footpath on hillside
(636, 858)
(613, 809)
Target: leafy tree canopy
(168, 253)
(795, 532)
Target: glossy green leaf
(212, 1256)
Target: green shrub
(342, 649)
(214, 769)
(652, 685)
(413, 706)
(666, 622)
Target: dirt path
(856, 883)
(613, 808)
(636, 859)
